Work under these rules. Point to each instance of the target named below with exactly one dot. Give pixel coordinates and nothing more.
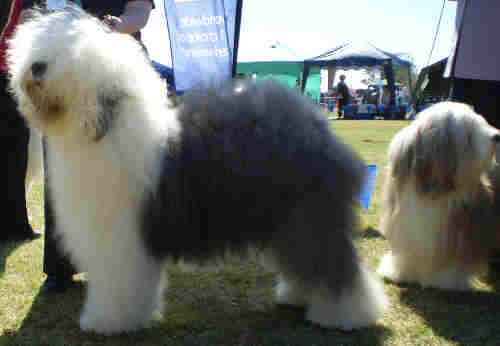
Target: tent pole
(237, 26)
(305, 74)
(334, 74)
(410, 89)
(389, 75)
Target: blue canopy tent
(356, 56)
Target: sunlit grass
(233, 304)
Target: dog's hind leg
(358, 304)
(322, 272)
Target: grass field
(233, 304)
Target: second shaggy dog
(439, 204)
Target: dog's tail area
(34, 172)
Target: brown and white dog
(439, 201)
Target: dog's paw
(387, 269)
(87, 325)
(288, 294)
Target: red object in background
(8, 30)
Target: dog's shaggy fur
(135, 183)
(34, 171)
(438, 208)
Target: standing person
(127, 17)
(344, 95)
(473, 66)
(14, 137)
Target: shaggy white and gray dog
(439, 202)
(135, 184)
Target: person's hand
(112, 21)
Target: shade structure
(278, 62)
(357, 56)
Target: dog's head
(71, 74)
(448, 147)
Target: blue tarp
(357, 55)
(366, 193)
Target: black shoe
(54, 284)
(32, 234)
(27, 234)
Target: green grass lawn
(233, 304)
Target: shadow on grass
(464, 318)
(493, 277)
(370, 232)
(6, 248)
(228, 307)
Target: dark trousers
(483, 95)
(55, 263)
(342, 104)
(14, 137)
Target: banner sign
(53, 5)
(203, 40)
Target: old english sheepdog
(439, 203)
(136, 184)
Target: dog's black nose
(38, 69)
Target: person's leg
(341, 108)
(484, 97)
(56, 265)
(14, 137)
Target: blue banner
(203, 38)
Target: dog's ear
(108, 101)
(402, 155)
(402, 162)
(436, 160)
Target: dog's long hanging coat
(439, 209)
(250, 166)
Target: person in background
(344, 95)
(127, 17)
(14, 137)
